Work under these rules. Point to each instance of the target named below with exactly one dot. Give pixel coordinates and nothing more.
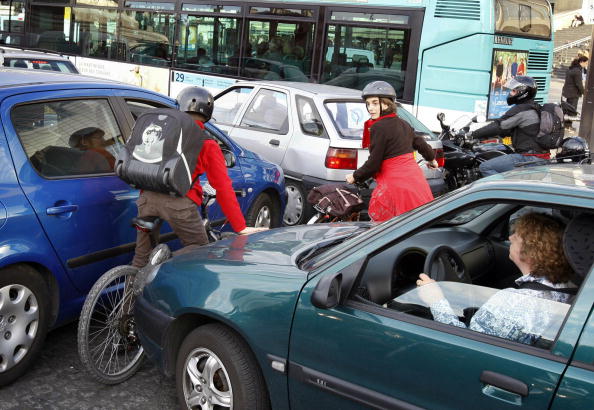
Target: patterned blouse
(514, 314)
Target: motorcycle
(463, 155)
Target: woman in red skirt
(401, 185)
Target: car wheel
(263, 213)
(295, 211)
(215, 369)
(24, 317)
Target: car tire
(232, 379)
(297, 209)
(264, 213)
(24, 315)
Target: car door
(265, 126)
(360, 354)
(229, 106)
(63, 145)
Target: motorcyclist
(522, 121)
(181, 212)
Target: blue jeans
(506, 163)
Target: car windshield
(349, 117)
(466, 215)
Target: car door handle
(503, 382)
(57, 210)
(274, 142)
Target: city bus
(451, 56)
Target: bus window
(209, 44)
(355, 56)
(278, 50)
(524, 17)
(94, 29)
(147, 37)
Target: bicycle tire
(106, 326)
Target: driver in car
(514, 314)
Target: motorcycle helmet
(574, 149)
(379, 89)
(525, 89)
(197, 100)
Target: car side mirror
(230, 159)
(326, 294)
(441, 117)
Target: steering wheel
(445, 264)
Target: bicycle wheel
(108, 346)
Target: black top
(573, 86)
(391, 137)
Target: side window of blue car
(69, 137)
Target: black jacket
(573, 86)
(391, 137)
(522, 122)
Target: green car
(330, 316)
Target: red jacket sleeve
(211, 157)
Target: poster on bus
(152, 78)
(507, 64)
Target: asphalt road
(57, 381)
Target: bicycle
(108, 345)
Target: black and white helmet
(525, 88)
(197, 100)
(379, 89)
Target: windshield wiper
(322, 247)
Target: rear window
(40, 64)
(349, 117)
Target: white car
(312, 131)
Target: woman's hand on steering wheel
(445, 264)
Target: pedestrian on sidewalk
(573, 88)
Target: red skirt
(401, 186)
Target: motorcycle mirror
(440, 116)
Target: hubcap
(206, 382)
(19, 322)
(294, 207)
(263, 218)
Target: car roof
(11, 53)
(16, 79)
(555, 175)
(323, 90)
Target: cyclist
(181, 212)
(522, 121)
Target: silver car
(312, 131)
(16, 58)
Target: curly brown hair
(542, 246)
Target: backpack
(338, 200)
(162, 152)
(551, 131)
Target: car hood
(278, 247)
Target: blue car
(64, 215)
(331, 316)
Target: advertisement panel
(152, 78)
(183, 79)
(507, 64)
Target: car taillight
(341, 158)
(439, 157)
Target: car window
(40, 64)
(477, 285)
(416, 124)
(348, 117)
(137, 107)
(70, 137)
(227, 104)
(268, 111)
(309, 117)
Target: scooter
(463, 155)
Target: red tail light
(341, 158)
(439, 157)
